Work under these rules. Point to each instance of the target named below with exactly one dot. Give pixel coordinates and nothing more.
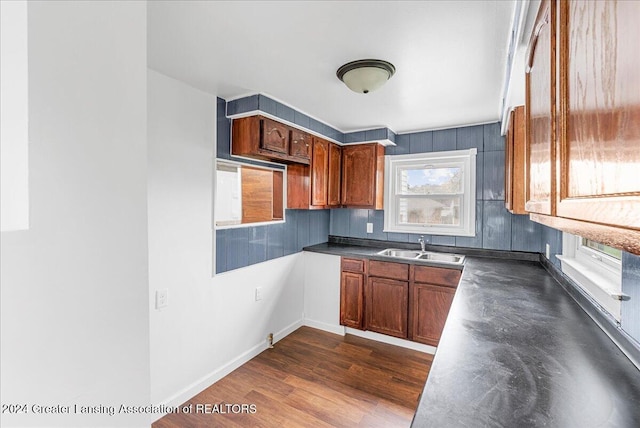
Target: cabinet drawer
(389, 270)
(353, 265)
(433, 275)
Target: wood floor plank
(312, 378)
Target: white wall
(74, 304)
(322, 292)
(14, 117)
(212, 324)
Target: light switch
(258, 293)
(369, 227)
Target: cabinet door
(387, 306)
(362, 175)
(333, 187)
(430, 306)
(300, 144)
(600, 92)
(351, 299)
(274, 136)
(298, 187)
(515, 179)
(319, 172)
(540, 101)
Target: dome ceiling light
(365, 75)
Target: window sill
(602, 288)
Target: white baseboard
(287, 330)
(331, 328)
(206, 381)
(392, 340)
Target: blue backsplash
(244, 246)
(496, 228)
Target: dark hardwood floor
(314, 379)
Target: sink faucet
(421, 241)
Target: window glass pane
(605, 249)
(430, 211)
(429, 180)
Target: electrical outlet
(547, 251)
(369, 227)
(162, 298)
(258, 293)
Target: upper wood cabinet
(266, 139)
(274, 136)
(316, 186)
(300, 144)
(515, 179)
(599, 146)
(319, 172)
(582, 96)
(363, 176)
(541, 112)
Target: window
(596, 268)
(432, 193)
(247, 194)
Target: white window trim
(598, 275)
(467, 158)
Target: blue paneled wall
(496, 228)
(244, 246)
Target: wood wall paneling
(257, 194)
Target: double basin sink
(429, 256)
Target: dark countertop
(518, 351)
(347, 250)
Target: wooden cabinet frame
(515, 168)
(595, 121)
(397, 299)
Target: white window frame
(598, 274)
(466, 159)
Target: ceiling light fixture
(365, 75)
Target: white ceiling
(450, 56)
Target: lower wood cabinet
(429, 308)
(352, 284)
(406, 301)
(387, 306)
(430, 297)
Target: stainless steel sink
(430, 256)
(405, 254)
(442, 257)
